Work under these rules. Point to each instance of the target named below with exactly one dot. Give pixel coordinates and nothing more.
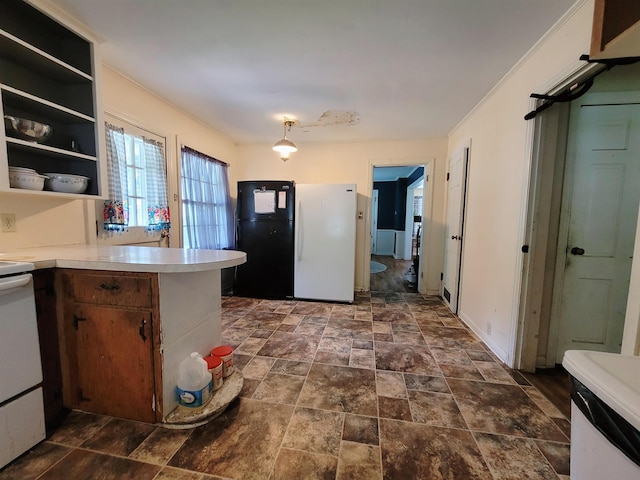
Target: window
(137, 179)
(207, 217)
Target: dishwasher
(21, 402)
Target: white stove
(11, 268)
(21, 403)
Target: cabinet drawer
(106, 289)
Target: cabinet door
(113, 360)
(616, 29)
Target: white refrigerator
(325, 242)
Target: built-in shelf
(31, 58)
(39, 106)
(183, 417)
(40, 149)
(47, 74)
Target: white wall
(353, 163)
(47, 221)
(499, 177)
(132, 102)
(41, 222)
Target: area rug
(377, 267)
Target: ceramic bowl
(13, 169)
(26, 129)
(26, 180)
(66, 183)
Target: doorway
(573, 200)
(457, 169)
(601, 194)
(397, 227)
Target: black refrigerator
(264, 231)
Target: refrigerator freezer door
(265, 200)
(268, 272)
(325, 242)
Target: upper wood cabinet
(48, 74)
(616, 29)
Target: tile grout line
(312, 362)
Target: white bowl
(26, 180)
(66, 183)
(21, 169)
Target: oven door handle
(13, 283)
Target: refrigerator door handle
(299, 231)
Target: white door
(599, 220)
(374, 221)
(456, 186)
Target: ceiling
(345, 70)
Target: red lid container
(212, 362)
(222, 351)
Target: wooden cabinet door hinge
(77, 320)
(81, 397)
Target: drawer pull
(110, 287)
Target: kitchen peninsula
(115, 322)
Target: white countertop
(126, 258)
(613, 378)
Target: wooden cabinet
(616, 29)
(45, 295)
(48, 74)
(110, 342)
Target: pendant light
(285, 147)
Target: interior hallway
(393, 386)
(393, 279)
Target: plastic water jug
(194, 382)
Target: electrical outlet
(489, 328)
(7, 222)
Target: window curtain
(156, 173)
(206, 202)
(116, 208)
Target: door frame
(466, 153)
(374, 223)
(408, 218)
(548, 134)
(427, 213)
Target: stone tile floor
(393, 386)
